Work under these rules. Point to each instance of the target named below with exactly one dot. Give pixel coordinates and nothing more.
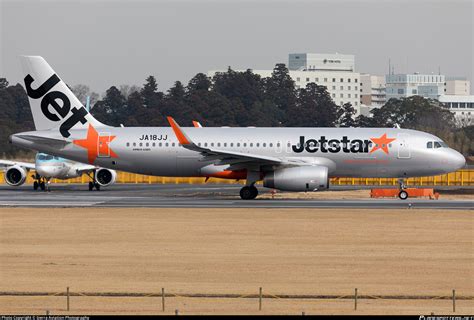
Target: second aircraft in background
(47, 167)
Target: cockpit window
(436, 144)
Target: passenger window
(154, 144)
(238, 144)
(172, 144)
(134, 144)
(128, 144)
(212, 144)
(141, 144)
(270, 145)
(258, 145)
(166, 144)
(205, 144)
(160, 144)
(225, 144)
(264, 144)
(231, 144)
(251, 144)
(218, 144)
(429, 145)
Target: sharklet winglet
(182, 137)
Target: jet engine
(15, 176)
(302, 178)
(105, 177)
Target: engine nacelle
(303, 178)
(105, 177)
(15, 176)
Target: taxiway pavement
(191, 196)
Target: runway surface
(190, 196)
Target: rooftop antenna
(389, 67)
(439, 70)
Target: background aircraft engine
(105, 177)
(304, 178)
(15, 176)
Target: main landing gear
(403, 195)
(41, 183)
(250, 192)
(93, 184)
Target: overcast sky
(105, 43)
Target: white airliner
(291, 159)
(47, 167)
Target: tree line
(234, 98)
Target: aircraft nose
(457, 160)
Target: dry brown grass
(293, 251)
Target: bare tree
(127, 90)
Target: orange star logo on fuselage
(96, 145)
(381, 143)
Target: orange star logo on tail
(381, 143)
(96, 145)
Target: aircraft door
(403, 146)
(103, 145)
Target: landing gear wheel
(248, 193)
(91, 186)
(35, 185)
(42, 186)
(97, 187)
(403, 195)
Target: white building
(372, 90)
(321, 62)
(407, 85)
(457, 86)
(461, 106)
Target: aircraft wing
(81, 168)
(222, 156)
(8, 163)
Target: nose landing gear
(403, 195)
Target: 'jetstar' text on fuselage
(324, 145)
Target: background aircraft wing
(8, 163)
(82, 168)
